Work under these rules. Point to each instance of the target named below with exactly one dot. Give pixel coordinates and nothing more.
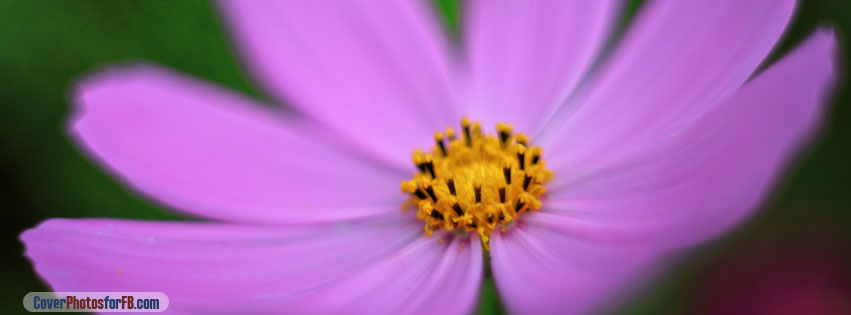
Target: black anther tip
(458, 209)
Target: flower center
(476, 182)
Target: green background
(47, 45)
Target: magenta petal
(427, 277)
(541, 271)
(203, 150)
(711, 175)
(526, 56)
(677, 61)
(384, 266)
(378, 71)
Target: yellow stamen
(476, 182)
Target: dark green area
(46, 45)
(450, 12)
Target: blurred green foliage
(46, 45)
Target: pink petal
(379, 266)
(209, 152)
(541, 271)
(677, 61)
(377, 71)
(526, 56)
(706, 178)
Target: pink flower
(670, 141)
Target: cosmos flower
(578, 168)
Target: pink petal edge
(678, 60)
(706, 178)
(380, 266)
(527, 56)
(204, 150)
(379, 72)
(541, 271)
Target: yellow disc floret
(476, 182)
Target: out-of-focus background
(792, 258)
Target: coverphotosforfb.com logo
(95, 302)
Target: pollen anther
(478, 182)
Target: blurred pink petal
(379, 266)
(377, 71)
(541, 271)
(201, 149)
(526, 56)
(677, 61)
(712, 174)
(801, 270)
